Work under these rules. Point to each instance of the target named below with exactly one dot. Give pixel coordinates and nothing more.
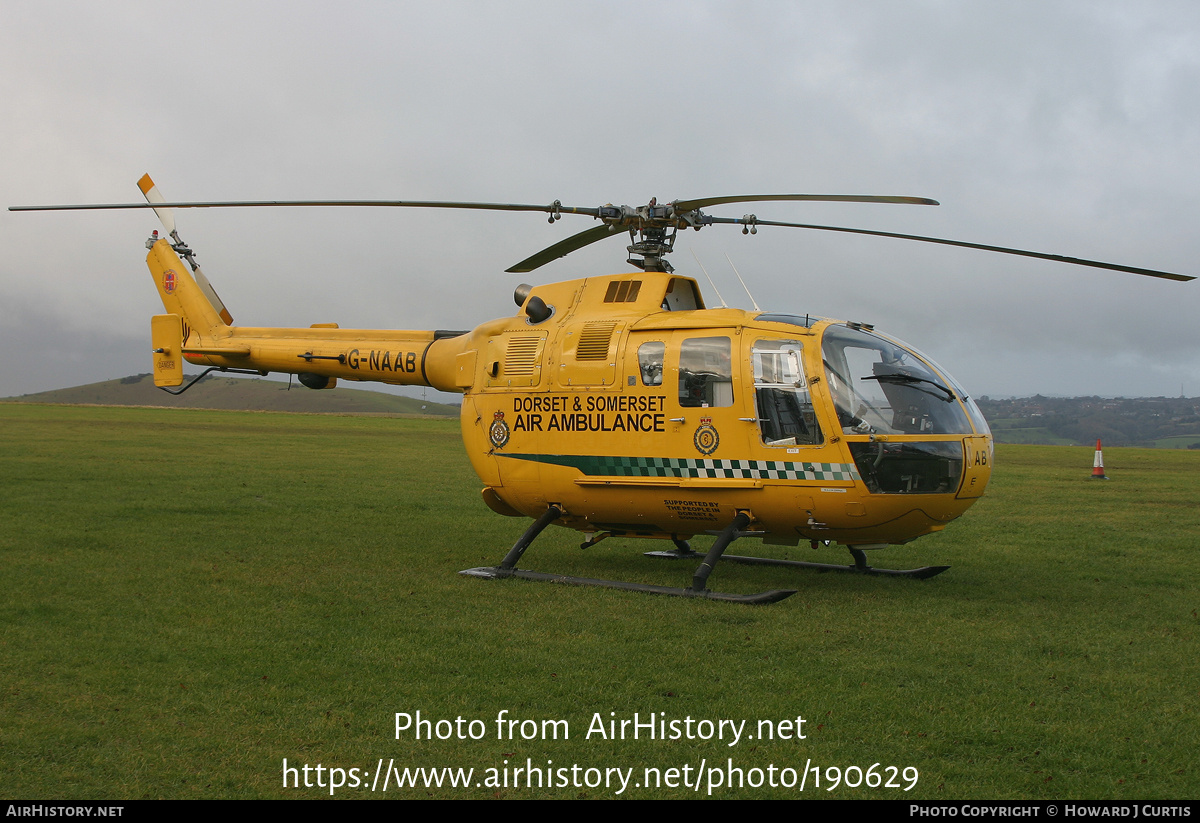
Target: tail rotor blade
(165, 215)
(211, 294)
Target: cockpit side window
(781, 395)
(650, 362)
(705, 372)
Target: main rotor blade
(219, 204)
(1183, 278)
(680, 205)
(704, 202)
(563, 248)
(600, 232)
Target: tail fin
(189, 313)
(180, 293)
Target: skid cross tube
(514, 554)
(700, 578)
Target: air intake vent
(622, 291)
(521, 355)
(594, 340)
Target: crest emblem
(169, 281)
(706, 437)
(498, 433)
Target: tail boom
(397, 357)
(193, 330)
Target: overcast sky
(1069, 128)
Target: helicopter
(621, 405)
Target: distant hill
(216, 392)
(1155, 422)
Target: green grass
(191, 597)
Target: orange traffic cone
(1098, 464)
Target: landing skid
(508, 567)
(762, 598)
(860, 564)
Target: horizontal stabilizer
(219, 351)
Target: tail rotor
(166, 216)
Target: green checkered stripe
(611, 466)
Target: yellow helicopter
(621, 405)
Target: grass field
(191, 597)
